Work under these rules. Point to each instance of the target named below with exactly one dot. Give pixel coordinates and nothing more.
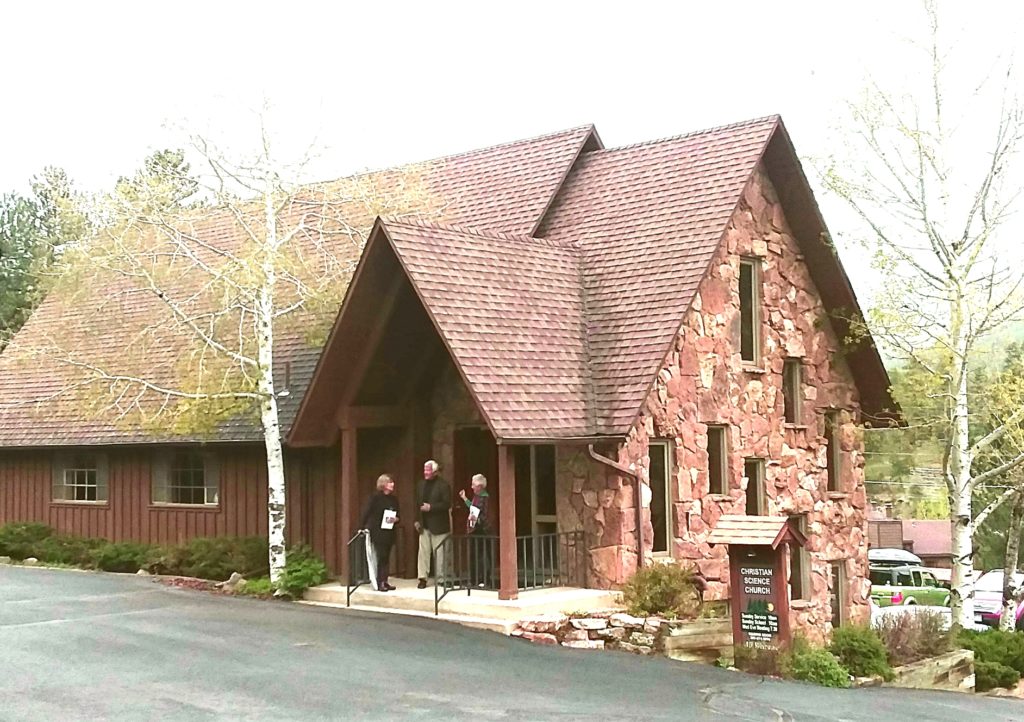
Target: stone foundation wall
(452, 406)
(704, 381)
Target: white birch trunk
(1008, 616)
(268, 409)
(959, 474)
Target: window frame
(799, 563)
(88, 463)
(833, 452)
(665, 446)
(723, 462)
(838, 592)
(750, 310)
(792, 391)
(163, 482)
(758, 481)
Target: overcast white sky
(94, 87)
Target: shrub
(819, 666)
(122, 556)
(989, 675)
(860, 650)
(302, 571)
(995, 646)
(71, 550)
(913, 636)
(662, 590)
(20, 539)
(765, 662)
(215, 558)
(259, 587)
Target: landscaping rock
(234, 581)
(635, 649)
(641, 639)
(31, 562)
(589, 623)
(540, 638)
(544, 623)
(5, 560)
(611, 633)
(621, 619)
(575, 635)
(585, 644)
(142, 573)
(652, 625)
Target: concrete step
(501, 626)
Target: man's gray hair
(433, 465)
(480, 479)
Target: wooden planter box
(700, 640)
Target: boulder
(621, 619)
(589, 623)
(585, 644)
(544, 623)
(540, 638)
(5, 560)
(31, 562)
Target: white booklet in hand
(389, 519)
(474, 515)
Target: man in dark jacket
(433, 502)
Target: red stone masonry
(704, 381)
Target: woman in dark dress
(379, 519)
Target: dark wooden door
(475, 452)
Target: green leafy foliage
(995, 645)
(259, 587)
(302, 571)
(215, 558)
(68, 550)
(122, 556)
(860, 650)
(20, 540)
(666, 590)
(818, 666)
(989, 675)
(909, 638)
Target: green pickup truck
(907, 585)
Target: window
(80, 478)
(750, 307)
(928, 580)
(832, 449)
(904, 579)
(799, 563)
(718, 478)
(792, 382)
(186, 477)
(753, 470)
(881, 577)
(837, 593)
(661, 499)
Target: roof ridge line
(449, 156)
(487, 235)
(715, 129)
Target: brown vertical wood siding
(128, 514)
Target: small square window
(80, 478)
(718, 460)
(185, 477)
(792, 390)
(753, 470)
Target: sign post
(758, 580)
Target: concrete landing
(480, 609)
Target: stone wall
(451, 406)
(704, 381)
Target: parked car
(911, 584)
(892, 557)
(988, 598)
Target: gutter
(619, 468)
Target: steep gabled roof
(504, 188)
(647, 219)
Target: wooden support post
(348, 494)
(507, 551)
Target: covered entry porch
(391, 393)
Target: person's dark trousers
(383, 548)
(480, 559)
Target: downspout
(636, 498)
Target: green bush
(666, 590)
(302, 571)
(989, 675)
(122, 556)
(259, 587)
(819, 666)
(215, 558)
(860, 650)
(765, 662)
(19, 540)
(72, 550)
(913, 636)
(995, 646)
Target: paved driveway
(93, 646)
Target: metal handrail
(358, 568)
